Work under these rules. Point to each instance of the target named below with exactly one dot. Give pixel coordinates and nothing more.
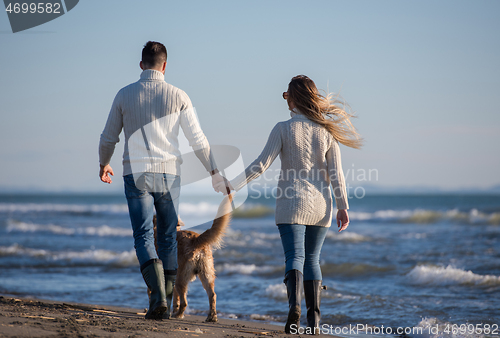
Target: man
(150, 112)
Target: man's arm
(197, 139)
(109, 138)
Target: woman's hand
(342, 219)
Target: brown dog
(195, 258)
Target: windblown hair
(153, 54)
(328, 111)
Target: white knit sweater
(150, 112)
(310, 163)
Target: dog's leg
(181, 289)
(175, 301)
(208, 282)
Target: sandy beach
(21, 317)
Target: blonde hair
(329, 111)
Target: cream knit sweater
(150, 112)
(310, 163)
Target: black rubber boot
(312, 293)
(152, 271)
(169, 291)
(293, 281)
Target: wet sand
(20, 317)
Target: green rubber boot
(152, 271)
(169, 290)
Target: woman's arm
(265, 159)
(337, 176)
(338, 184)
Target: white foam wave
(338, 295)
(435, 328)
(445, 276)
(347, 236)
(256, 316)
(73, 208)
(99, 256)
(197, 209)
(102, 231)
(425, 216)
(277, 291)
(244, 269)
(17, 250)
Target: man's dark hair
(153, 54)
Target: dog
(195, 258)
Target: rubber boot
(152, 271)
(312, 293)
(293, 281)
(169, 291)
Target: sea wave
(101, 231)
(198, 209)
(81, 258)
(446, 276)
(347, 236)
(354, 269)
(251, 210)
(237, 238)
(425, 216)
(63, 208)
(434, 328)
(246, 269)
(188, 209)
(277, 291)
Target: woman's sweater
(310, 163)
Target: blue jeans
(302, 245)
(147, 192)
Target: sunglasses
(285, 95)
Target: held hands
(104, 173)
(220, 183)
(342, 219)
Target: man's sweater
(310, 163)
(150, 112)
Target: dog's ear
(180, 223)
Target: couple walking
(151, 111)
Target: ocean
(409, 261)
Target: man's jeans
(302, 245)
(148, 192)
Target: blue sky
(422, 76)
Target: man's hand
(342, 219)
(104, 173)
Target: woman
(310, 162)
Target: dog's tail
(214, 235)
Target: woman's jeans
(145, 193)
(302, 245)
